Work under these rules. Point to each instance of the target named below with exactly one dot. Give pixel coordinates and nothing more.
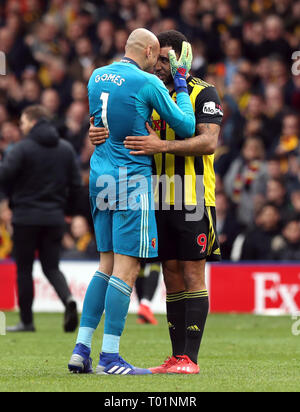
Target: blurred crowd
(243, 47)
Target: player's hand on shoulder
(97, 135)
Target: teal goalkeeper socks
(93, 308)
(116, 309)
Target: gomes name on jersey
(109, 78)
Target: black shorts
(179, 239)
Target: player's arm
(155, 95)
(180, 117)
(208, 115)
(205, 143)
(97, 135)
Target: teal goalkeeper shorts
(126, 232)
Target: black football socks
(176, 313)
(197, 308)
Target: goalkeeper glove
(179, 68)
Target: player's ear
(149, 51)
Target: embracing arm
(204, 143)
(180, 116)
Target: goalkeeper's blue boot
(80, 361)
(113, 364)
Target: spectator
(18, 55)
(105, 39)
(83, 58)
(74, 32)
(29, 95)
(145, 15)
(109, 10)
(279, 71)
(4, 117)
(241, 176)
(227, 226)
(43, 40)
(79, 93)
(293, 93)
(240, 90)
(199, 62)
(121, 37)
(295, 200)
(233, 59)
(256, 120)
(290, 134)
(51, 101)
(287, 245)
(60, 81)
(10, 135)
(258, 240)
(274, 171)
(79, 243)
(254, 37)
(275, 42)
(76, 125)
(6, 243)
(274, 111)
(189, 23)
(277, 194)
(231, 136)
(210, 38)
(262, 72)
(127, 9)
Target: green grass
(239, 353)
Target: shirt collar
(128, 60)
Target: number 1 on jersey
(104, 98)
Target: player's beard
(168, 81)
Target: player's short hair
(172, 38)
(36, 112)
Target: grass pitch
(240, 353)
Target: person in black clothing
(228, 226)
(259, 239)
(42, 174)
(287, 246)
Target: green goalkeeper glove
(179, 68)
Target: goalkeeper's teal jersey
(122, 98)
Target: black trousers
(46, 240)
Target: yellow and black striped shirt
(189, 170)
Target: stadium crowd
(243, 47)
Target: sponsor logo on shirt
(212, 108)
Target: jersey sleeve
(180, 117)
(208, 107)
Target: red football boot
(146, 313)
(185, 366)
(168, 363)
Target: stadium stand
(243, 47)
